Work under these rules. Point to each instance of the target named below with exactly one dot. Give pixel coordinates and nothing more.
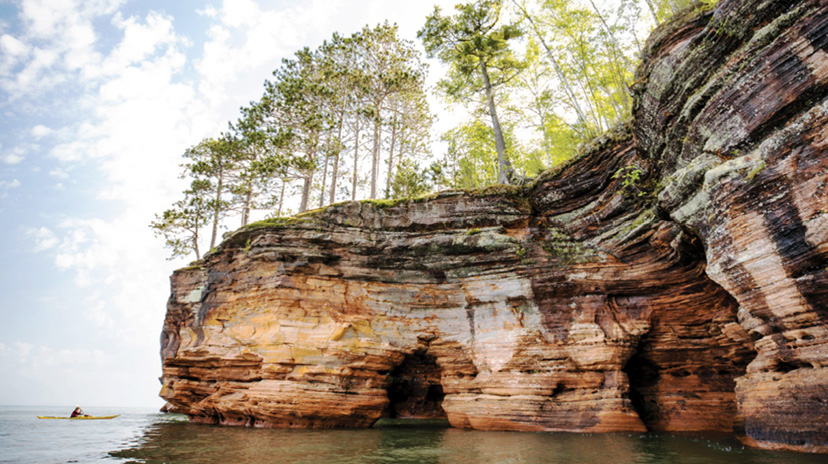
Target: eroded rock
(691, 300)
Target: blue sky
(98, 99)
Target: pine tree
(181, 225)
(475, 45)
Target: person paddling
(78, 412)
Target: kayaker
(77, 412)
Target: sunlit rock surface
(672, 278)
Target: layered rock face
(672, 278)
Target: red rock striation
(672, 278)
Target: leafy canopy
(473, 36)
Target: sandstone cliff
(671, 278)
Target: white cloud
(13, 46)
(209, 11)
(141, 40)
(59, 173)
(12, 158)
(248, 38)
(44, 238)
(13, 52)
(18, 153)
(240, 13)
(63, 374)
(9, 184)
(37, 360)
(59, 40)
(65, 18)
(40, 131)
(99, 314)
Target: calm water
(142, 436)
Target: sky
(98, 100)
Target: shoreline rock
(693, 297)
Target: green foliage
(666, 9)
(180, 226)
(321, 106)
(631, 180)
(470, 161)
(409, 180)
(476, 46)
(761, 165)
(472, 39)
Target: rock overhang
(693, 302)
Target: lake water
(144, 436)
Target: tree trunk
(586, 87)
(324, 182)
(615, 45)
(248, 200)
(637, 42)
(375, 153)
(307, 182)
(338, 150)
(217, 208)
(356, 162)
(195, 240)
(325, 172)
(653, 11)
(281, 198)
(541, 112)
(504, 166)
(391, 157)
(558, 70)
(596, 116)
(618, 70)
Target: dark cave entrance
(682, 375)
(414, 389)
(644, 376)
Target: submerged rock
(672, 278)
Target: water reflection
(398, 442)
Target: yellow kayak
(80, 417)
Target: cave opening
(643, 376)
(414, 389)
(682, 375)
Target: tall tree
(259, 161)
(181, 225)
(475, 45)
(541, 101)
(337, 58)
(213, 161)
(409, 180)
(616, 46)
(468, 162)
(589, 59)
(298, 115)
(409, 124)
(390, 66)
(562, 76)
